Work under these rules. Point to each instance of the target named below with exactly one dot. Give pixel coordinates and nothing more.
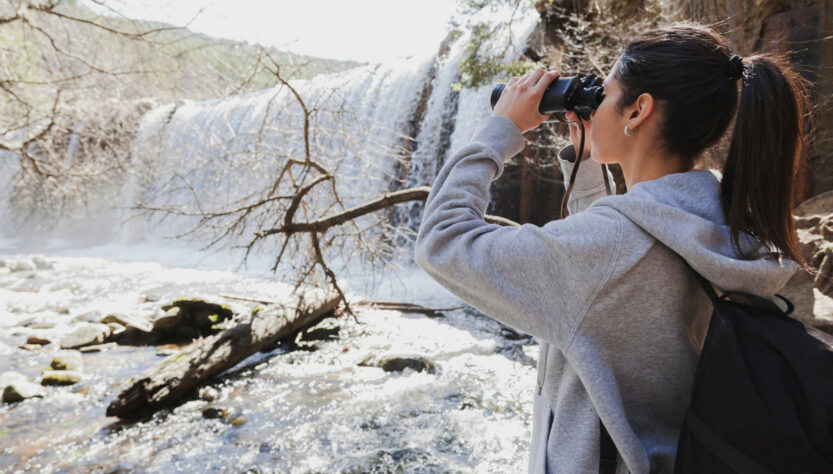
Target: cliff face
(587, 36)
(800, 30)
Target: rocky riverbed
(395, 391)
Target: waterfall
(375, 128)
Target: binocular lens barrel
(581, 94)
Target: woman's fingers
(521, 98)
(545, 79)
(532, 78)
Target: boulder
(168, 322)
(87, 335)
(10, 377)
(67, 360)
(60, 377)
(21, 390)
(188, 319)
(128, 321)
(199, 313)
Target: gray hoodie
(619, 316)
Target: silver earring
(628, 132)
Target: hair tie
(735, 67)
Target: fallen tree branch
(181, 374)
(406, 307)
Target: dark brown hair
(686, 67)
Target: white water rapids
(303, 411)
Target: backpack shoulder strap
(705, 284)
(607, 452)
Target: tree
(76, 84)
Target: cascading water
(375, 128)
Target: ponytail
(759, 177)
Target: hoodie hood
(684, 212)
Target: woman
(608, 291)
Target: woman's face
(607, 137)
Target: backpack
(762, 398)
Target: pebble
(38, 341)
(212, 413)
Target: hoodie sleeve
(589, 184)
(539, 280)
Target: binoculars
(581, 94)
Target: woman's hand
(521, 97)
(575, 133)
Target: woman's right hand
(575, 133)
(521, 97)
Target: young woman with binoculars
(609, 291)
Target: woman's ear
(641, 109)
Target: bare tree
(312, 213)
(76, 84)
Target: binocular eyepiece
(582, 94)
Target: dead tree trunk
(181, 374)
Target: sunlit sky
(362, 30)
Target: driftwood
(181, 374)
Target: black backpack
(762, 400)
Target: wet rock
(21, 390)
(60, 377)
(86, 335)
(38, 341)
(320, 334)
(128, 321)
(188, 319)
(168, 322)
(200, 313)
(99, 347)
(115, 329)
(398, 363)
(67, 360)
(214, 412)
(511, 334)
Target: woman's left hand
(521, 98)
